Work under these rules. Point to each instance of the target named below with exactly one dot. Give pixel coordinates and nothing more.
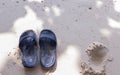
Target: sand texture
(87, 31)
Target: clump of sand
(98, 58)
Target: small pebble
(17, 1)
(90, 8)
(76, 20)
(3, 3)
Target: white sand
(76, 23)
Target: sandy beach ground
(76, 23)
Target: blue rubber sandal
(29, 49)
(48, 43)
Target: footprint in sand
(97, 60)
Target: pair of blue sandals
(30, 50)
